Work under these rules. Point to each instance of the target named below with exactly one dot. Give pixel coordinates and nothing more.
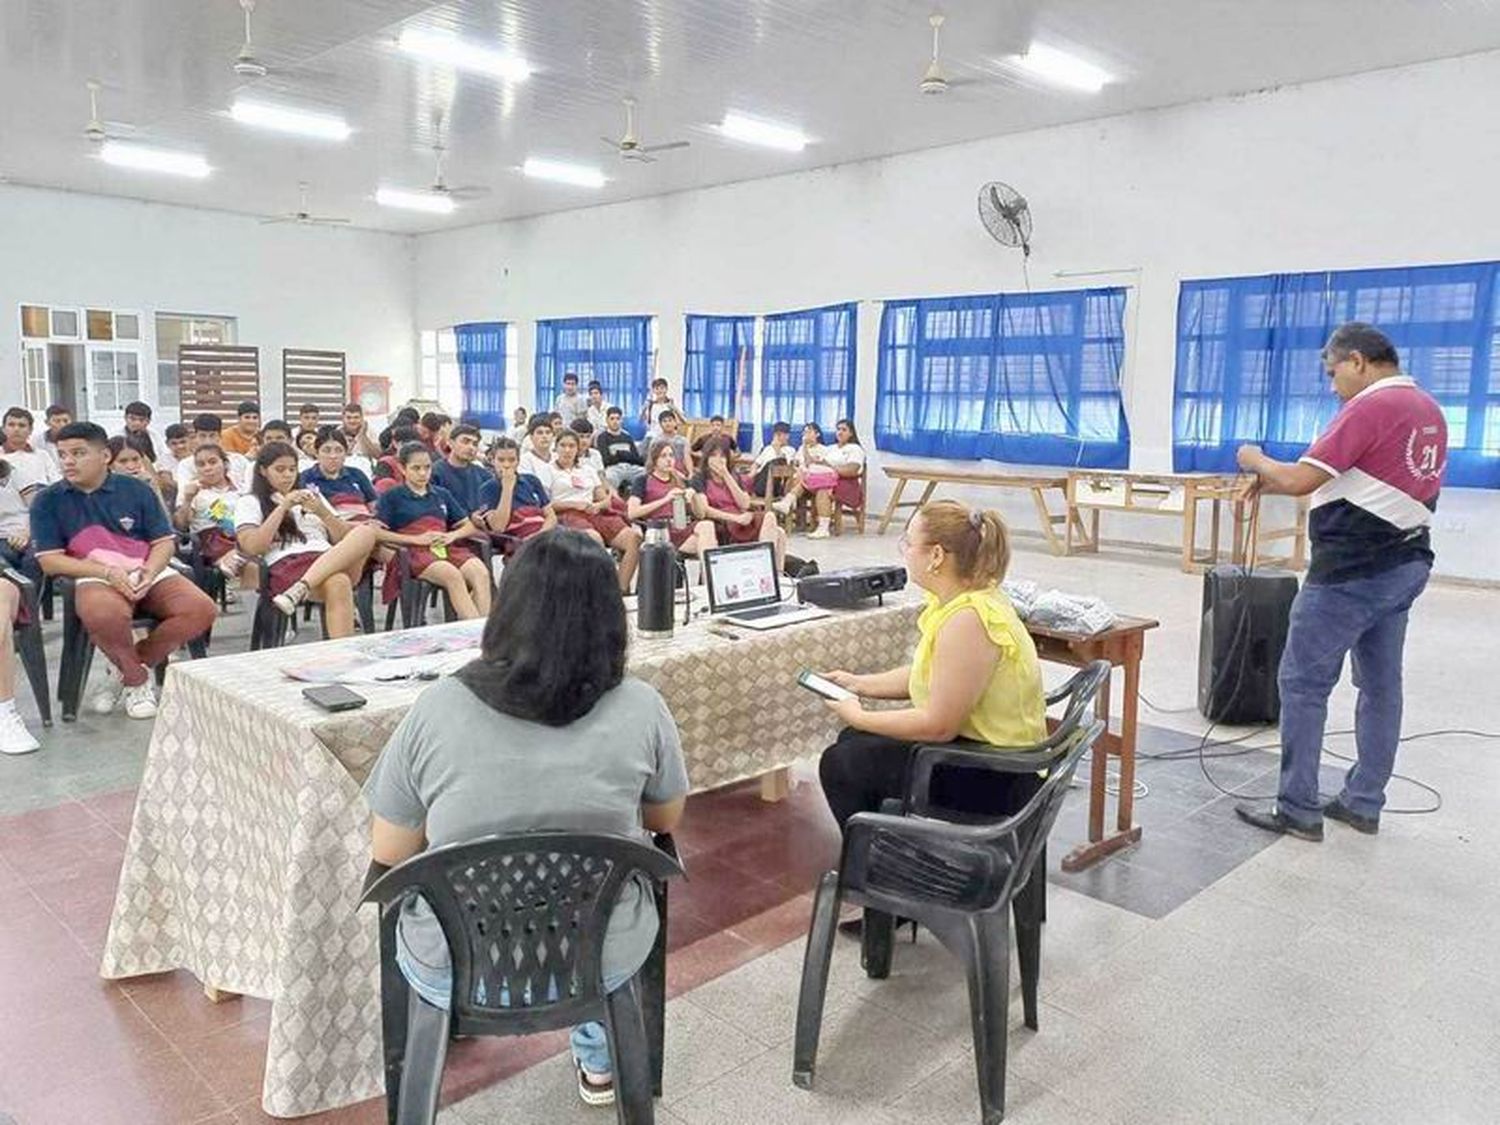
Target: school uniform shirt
(770, 453)
(237, 468)
(529, 493)
(542, 470)
(1387, 448)
(464, 482)
(34, 466)
(351, 489)
(402, 510)
(598, 415)
(575, 484)
(652, 412)
(361, 462)
(15, 516)
(114, 525)
(837, 456)
(247, 513)
(214, 508)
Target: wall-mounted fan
(1006, 215)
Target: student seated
(348, 490)
(513, 504)
(244, 435)
(34, 465)
(307, 446)
(462, 472)
(598, 408)
(669, 423)
(312, 552)
(309, 418)
(56, 416)
(584, 503)
(717, 434)
(587, 454)
(433, 429)
(406, 416)
(111, 533)
(778, 452)
(14, 737)
(18, 488)
(278, 431)
(542, 731)
(659, 400)
(178, 448)
(388, 470)
(128, 456)
(720, 496)
(536, 451)
(657, 495)
(432, 525)
(517, 431)
(138, 425)
(356, 431)
(205, 510)
(974, 674)
(618, 452)
(829, 473)
(570, 404)
(207, 429)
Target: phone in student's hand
(333, 697)
(820, 685)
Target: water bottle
(656, 582)
(679, 512)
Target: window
(807, 369)
(488, 350)
(1249, 359)
(720, 362)
(1029, 378)
(115, 379)
(172, 331)
(615, 350)
(439, 379)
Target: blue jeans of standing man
(1365, 617)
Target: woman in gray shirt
(543, 731)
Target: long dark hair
(260, 488)
(555, 639)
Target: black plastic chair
(525, 915)
(206, 575)
(958, 881)
(269, 626)
(78, 648)
(28, 641)
(416, 595)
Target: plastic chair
(78, 649)
(525, 916)
(28, 641)
(416, 595)
(206, 575)
(957, 880)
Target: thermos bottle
(656, 582)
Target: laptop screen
(741, 577)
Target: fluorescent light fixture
(576, 174)
(144, 159)
(440, 47)
(1062, 69)
(765, 133)
(324, 126)
(429, 201)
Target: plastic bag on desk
(1069, 613)
(1022, 593)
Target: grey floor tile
(951, 1097)
(699, 1048)
(760, 998)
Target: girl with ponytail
(974, 675)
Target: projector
(841, 589)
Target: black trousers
(861, 770)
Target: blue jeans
(1365, 617)
(589, 1041)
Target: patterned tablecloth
(251, 838)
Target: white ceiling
(845, 71)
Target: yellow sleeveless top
(1012, 710)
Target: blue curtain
(717, 375)
(1029, 378)
(807, 370)
(481, 374)
(615, 350)
(1249, 359)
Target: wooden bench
(1038, 486)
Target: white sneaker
(14, 737)
(289, 599)
(140, 701)
(819, 532)
(106, 696)
(783, 506)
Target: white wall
(289, 286)
(1384, 168)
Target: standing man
(1374, 476)
(243, 436)
(570, 404)
(111, 533)
(659, 400)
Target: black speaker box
(1245, 619)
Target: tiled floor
(1209, 974)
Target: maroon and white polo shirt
(1386, 448)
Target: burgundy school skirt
(847, 492)
(289, 569)
(607, 524)
(739, 533)
(214, 544)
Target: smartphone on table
(333, 697)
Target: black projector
(841, 589)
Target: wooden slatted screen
(313, 376)
(216, 378)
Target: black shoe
(1274, 820)
(1336, 810)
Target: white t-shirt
(247, 514)
(577, 483)
(841, 455)
(237, 468)
(35, 468)
(769, 453)
(15, 516)
(360, 462)
(542, 470)
(215, 507)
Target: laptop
(744, 588)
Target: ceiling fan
(1014, 36)
(629, 145)
(98, 130)
(302, 216)
(246, 64)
